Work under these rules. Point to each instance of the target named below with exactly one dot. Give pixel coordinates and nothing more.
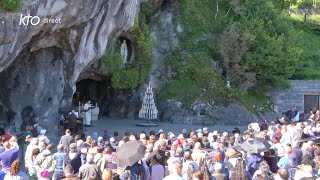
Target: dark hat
(236, 130)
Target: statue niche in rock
(124, 52)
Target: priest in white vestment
(87, 109)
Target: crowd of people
(292, 154)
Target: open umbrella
(257, 145)
(129, 153)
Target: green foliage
(146, 9)
(113, 60)
(182, 90)
(269, 59)
(255, 101)
(134, 74)
(307, 3)
(143, 40)
(275, 53)
(10, 5)
(310, 42)
(125, 79)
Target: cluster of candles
(149, 109)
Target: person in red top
(7, 134)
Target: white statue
(228, 84)
(124, 51)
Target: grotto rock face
(39, 64)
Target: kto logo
(25, 20)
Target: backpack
(140, 170)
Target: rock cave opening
(96, 91)
(112, 102)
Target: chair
(72, 119)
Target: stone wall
(294, 96)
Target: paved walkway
(122, 125)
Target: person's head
(100, 149)
(7, 145)
(264, 168)
(162, 145)
(217, 157)
(35, 152)
(90, 158)
(231, 153)
(60, 148)
(42, 145)
(8, 130)
(132, 138)
(187, 155)
(93, 144)
(108, 150)
(126, 133)
(68, 171)
(100, 139)
(152, 133)
(152, 138)
(73, 147)
(88, 139)
(80, 143)
(107, 174)
(142, 136)
(162, 136)
(115, 134)
(13, 139)
(15, 167)
(68, 132)
(288, 150)
(177, 168)
(307, 160)
(149, 148)
(50, 147)
(283, 174)
(156, 159)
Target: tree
(233, 46)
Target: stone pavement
(122, 125)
